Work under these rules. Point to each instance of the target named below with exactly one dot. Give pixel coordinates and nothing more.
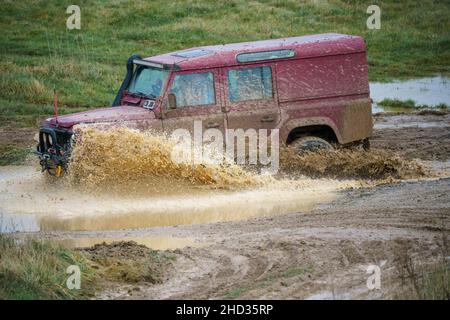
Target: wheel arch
(319, 127)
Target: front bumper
(53, 149)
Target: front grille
(51, 140)
(54, 150)
(45, 142)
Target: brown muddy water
(28, 202)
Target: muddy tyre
(310, 143)
(366, 144)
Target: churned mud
(154, 242)
(128, 261)
(19, 137)
(309, 232)
(323, 253)
(423, 135)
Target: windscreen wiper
(143, 95)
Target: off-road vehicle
(314, 89)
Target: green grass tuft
(408, 104)
(396, 103)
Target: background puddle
(425, 91)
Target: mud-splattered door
(251, 97)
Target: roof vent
(193, 53)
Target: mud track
(319, 254)
(424, 135)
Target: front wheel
(310, 143)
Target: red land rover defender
(314, 89)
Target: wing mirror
(172, 101)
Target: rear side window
(196, 89)
(250, 84)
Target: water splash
(138, 160)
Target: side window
(250, 84)
(195, 89)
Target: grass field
(38, 53)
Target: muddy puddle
(425, 91)
(413, 124)
(18, 222)
(29, 203)
(123, 179)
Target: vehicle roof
(225, 55)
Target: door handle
(267, 119)
(212, 125)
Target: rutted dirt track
(324, 252)
(424, 135)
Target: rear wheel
(310, 143)
(366, 144)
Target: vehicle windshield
(148, 81)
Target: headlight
(73, 140)
(50, 140)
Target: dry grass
(424, 280)
(36, 269)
